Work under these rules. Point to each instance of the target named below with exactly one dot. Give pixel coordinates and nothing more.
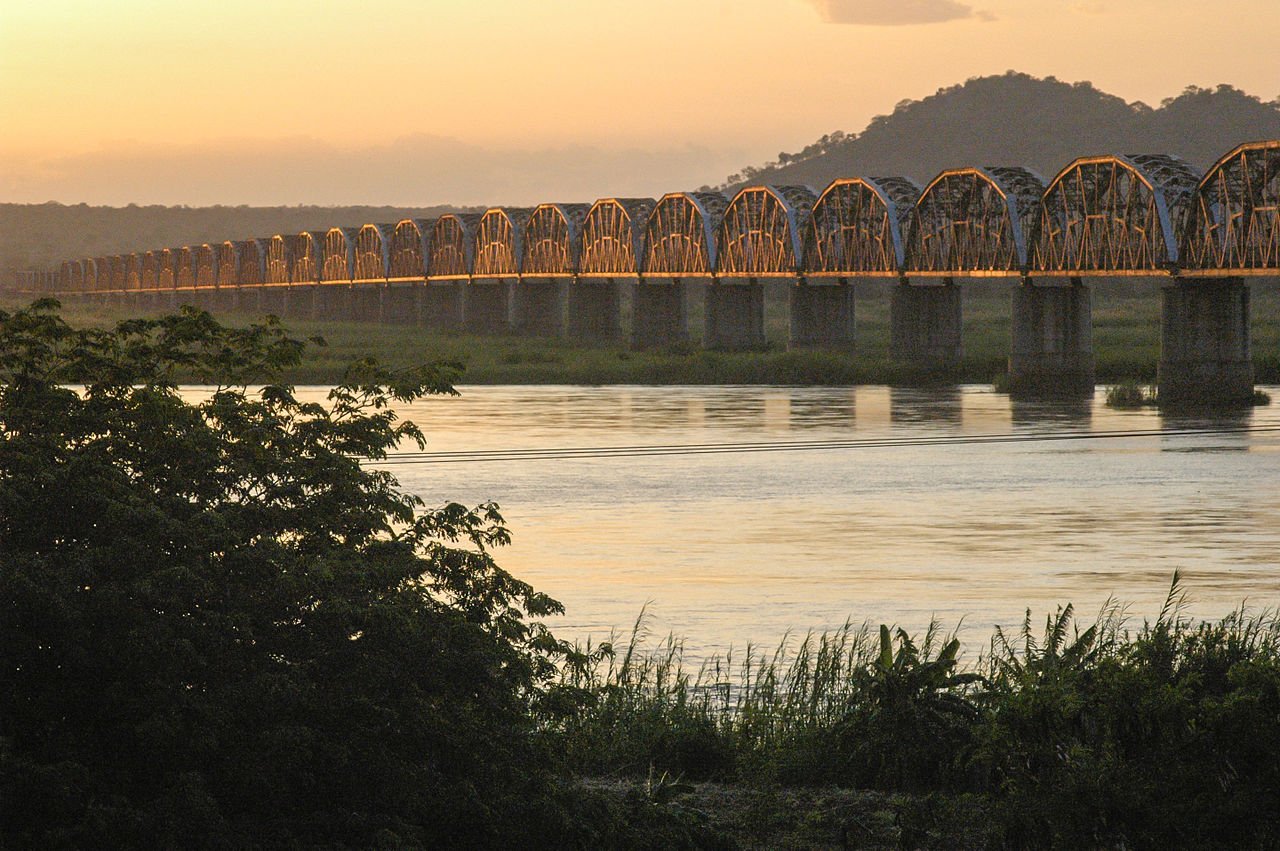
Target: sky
(420, 102)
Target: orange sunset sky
(415, 102)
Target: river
(927, 518)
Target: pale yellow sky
(112, 101)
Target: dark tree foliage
(219, 627)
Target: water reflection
(1067, 412)
(740, 547)
(934, 406)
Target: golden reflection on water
(736, 548)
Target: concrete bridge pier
(659, 313)
(595, 310)
(398, 304)
(366, 302)
(734, 315)
(822, 315)
(332, 302)
(1205, 355)
(1052, 350)
(538, 307)
(440, 305)
(300, 299)
(484, 306)
(265, 300)
(925, 322)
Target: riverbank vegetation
(222, 630)
(1126, 339)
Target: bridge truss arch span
(117, 265)
(71, 276)
(762, 234)
(308, 257)
(552, 242)
(229, 264)
(132, 271)
(373, 252)
(1232, 225)
(279, 259)
(1113, 215)
(252, 267)
(149, 274)
(207, 265)
(410, 248)
(499, 242)
(90, 265)
(452, 246)
(859, 227)
(680, 236)
(974, 222)
(613, 237)
(339, 264)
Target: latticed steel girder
(680, 236)
(252, 268)
(613, 237)
(308, 257)
(1109, 215)
(410, 248)
(762, 235)
(339, 255)
(973, 222)
(453, 246)
(1233, 224)
(500, 241)
(207, 265)
(149, 274)
(1112, 215)
(132, 271)
(373, 252)
(185, 272)
(858, 227)
(228, 264)
(553, 240)
(279, 260)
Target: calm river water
(726, 549)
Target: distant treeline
(1017, 119)
(40, 236)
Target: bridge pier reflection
(1052, 345)
(1204, 342)
(734, 316)
(822, 315)
(925, 324)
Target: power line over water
(657, 450)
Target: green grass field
(1126, 337)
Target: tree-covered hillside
(1017, 119)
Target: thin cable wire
(659, 450)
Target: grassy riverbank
(1126, 335)
(1097, 733)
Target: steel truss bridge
(1141, 214)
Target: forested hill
(1016, 119)
(40, 236)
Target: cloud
(417, 170)
(891, 13)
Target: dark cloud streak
(890, 13)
